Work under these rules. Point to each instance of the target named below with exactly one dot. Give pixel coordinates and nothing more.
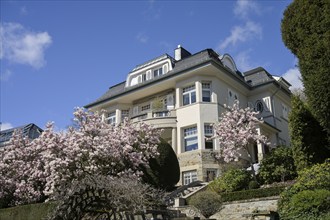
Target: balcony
(161, 118)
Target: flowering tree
(237, 130)
(31, 171)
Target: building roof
(179, 67)
(30, 130)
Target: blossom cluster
(236, 130)
(31, 171)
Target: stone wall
(257, 209)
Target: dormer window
(144, 77)
(158, 72)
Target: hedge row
(251, 194)
(27, 212)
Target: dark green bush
(251, 194)
(309, 203)
(253, 184)
(315, 178)
(164, 171)
(232, 180)
(277, 166)
(207, 202)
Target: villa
(186, 94)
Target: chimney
(181, 53)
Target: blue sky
(58, 55)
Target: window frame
(207, 134)
(206, 88)
(189, 91)
(189, 177)
(190, 134)
(145, 108)
(158, 72)
(111, 118)
(124, 115)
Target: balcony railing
(154, 114)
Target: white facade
(186, 95)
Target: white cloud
(243, 8)
(5, 126)
(23, 46)
(243, 61)
(142, 37)
(4, 76)
(250, 30)
(293, 76)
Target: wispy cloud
(142, 37)
(250, 30)
(243, 61)
(293, 76)
(5, 126)
(23, 10)
(243, 8)
(5, 75)
(23, 46)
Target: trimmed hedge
(251, 194)
(36, 211)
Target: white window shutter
(266, 103)
(135, 110)
(148, 74)
(165, 68)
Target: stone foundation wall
(257, 209)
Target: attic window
(158, 72)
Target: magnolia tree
(31, 171)
(236, 131)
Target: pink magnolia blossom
(236, 130)
(30, 171)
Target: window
(208, 132)
(158, 72)
(189, 95)
(189, 177)
(144, 77)
(111, 118)
(124, 114)
(206, 92)
(285, 111)
(190, 139)
(211, 174)
(259, 106)
(145, 107)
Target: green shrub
(277, 166)
(315, 178)
(253, 184)
(232, 180)
(207, 202)
(309, 203)
(251, 194)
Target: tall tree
(307, 136)
(236, 131)
(306, 32)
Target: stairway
(184, 192)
